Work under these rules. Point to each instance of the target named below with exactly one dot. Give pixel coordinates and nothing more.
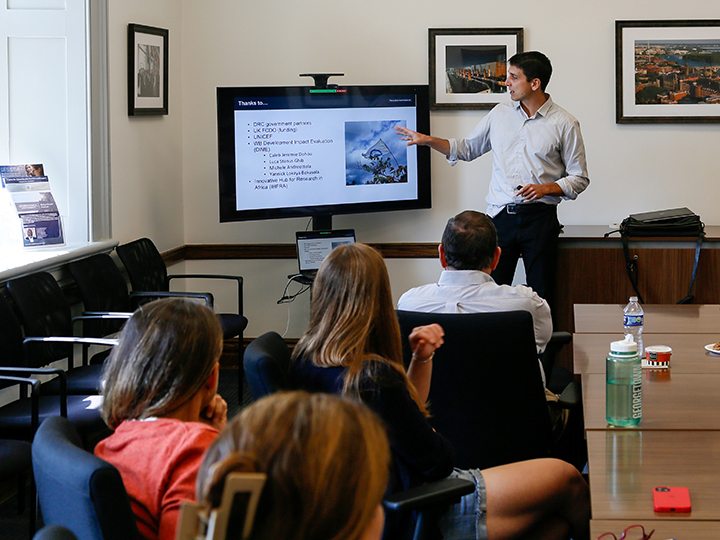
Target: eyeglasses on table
(633, 532)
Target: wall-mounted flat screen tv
(307, 151)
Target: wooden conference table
(678, 440)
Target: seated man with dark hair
(469, 252)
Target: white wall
(146, 151)
(633, 168)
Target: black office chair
(557, 377)
(16, 463)
(102, 290)
(44, 313)
(78, 490)
(19, 419)
(148, 273)
(54, 532)
(267, 365)
(487, 396)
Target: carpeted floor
(17, 527)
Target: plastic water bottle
(633, 316)
(623, 395)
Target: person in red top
(160, 397)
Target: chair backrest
(78, 490)
(486, 395)
(11, 336)
(44, 312)
(267, 364)
(144, 264)
(102, 288)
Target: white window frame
(94, 205)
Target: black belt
(528, 208)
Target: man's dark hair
(469, 241)
(535, 65)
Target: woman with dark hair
(326, 460)
(160, 398)
(353, 347)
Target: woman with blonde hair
(326, 459)
(160, 397)
(352, 347)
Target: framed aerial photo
(147, 70)
(667, 71)
(468, 66)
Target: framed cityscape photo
(667, 71)
(147, 70)
(468, 66)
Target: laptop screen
(314, 246)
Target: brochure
(34, 203)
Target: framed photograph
(468, 66)
(147, 70)
(667, 71)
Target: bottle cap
(624, 346)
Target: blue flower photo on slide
(374, 153)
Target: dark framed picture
(468, 66)
(667, 71)
(147, 70)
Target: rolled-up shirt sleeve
(573, 155)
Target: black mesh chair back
(267, 365)
(17, 420)
(487, 396)
(11, 336)
(144, 264)
(78, 490)
(44, 312)
(102, 289)
(148, 274)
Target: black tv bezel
(226, 156)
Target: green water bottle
(623, 394)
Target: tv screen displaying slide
(305, 151)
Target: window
(53, 106)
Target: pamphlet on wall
(29, 189)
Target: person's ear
(441, 254)
(213, 379)
(535, 84)
(496, 258)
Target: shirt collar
(542, 111)
(463, 277)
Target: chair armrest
(238, 279)
(107, 342)
(207, 297)
(34, 385)
(447, 490)
(97, 315)
(560, 338)
(84, 341)
(571, 396)
(22, 372)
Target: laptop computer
(314, 246)
(663, 215)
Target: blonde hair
(166, 352)
(326, 459)
(353, 320)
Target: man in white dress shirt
(469, 253)
(538, 160)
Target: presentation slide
(292, 157)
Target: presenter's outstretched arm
(413, 137)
